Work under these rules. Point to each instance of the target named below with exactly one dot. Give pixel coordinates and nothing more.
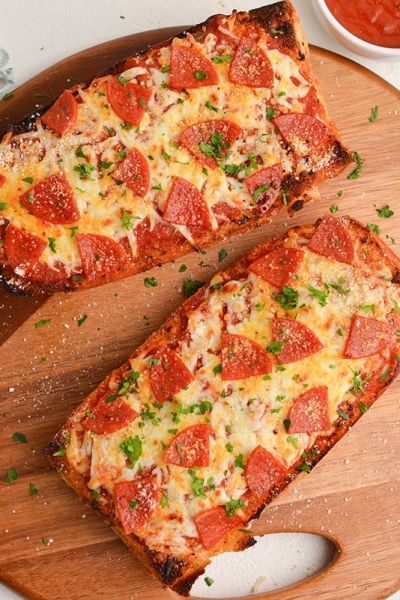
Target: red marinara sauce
(374, 21)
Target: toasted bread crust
(298, 190)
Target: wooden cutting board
(352, 496)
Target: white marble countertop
(34, 36)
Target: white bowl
(350, 41)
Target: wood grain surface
(352, 496)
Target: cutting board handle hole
(277, 560)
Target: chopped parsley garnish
(190, 287)
(385, 212)
(363, 407)
(270, 113)
(132, 448)
(288, 298)
(73, 230)
(127, 220)
(211, 106)
(19, 437)
(260, 190)
(367, 308)
(42, 323)
(217, 369)
(200, 75)
(358, 384)
(375, 228)
(276, 347)
(222, 59)
(197, 484)
(385, 375)
(319, 294)
(3, 206)
(52, 244)
(232, 506)
(209, 581)
(334, 208)
(222, 254)
(28, 180)
(33, 489)
(239, 461)
(82, 320)
(12, 475)
(85, 170)
(355, 174)
(374, 114)
(343, 415)
(150, 282)
(293, 440)
(214, 148)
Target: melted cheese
(243, 413)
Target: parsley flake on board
(33, 489)
(355, 174)
(19, 437)
(374, 114)
(375, 228)
(190, 287)
(12, 475)
(42, 323)
(82, 320)
(385, 212)
(150, 282)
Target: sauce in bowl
(374, 21)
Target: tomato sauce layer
(374, 22)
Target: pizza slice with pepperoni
(190, 142)
(248, 384)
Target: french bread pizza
(250, 382)
(186, 143)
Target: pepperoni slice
(264, 186)
(225, 212)
(136, 501)
(190, 448)
(190, 68)
(168, 374)
(366, 337)
(134, 171)
(303, 133)
(100, 255)
(185, 205)
(52, 200)
(62, 115)
(310, 411)
(278, 266)
(213, 524)
(160, 235)
(331, 239)
(128, 101)
(109, 415)
(3, 179)
(43, 273)
(250, 66)
(23, 249)
(262, 471)
(209, 141)
(242, 357)
(298, 341)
